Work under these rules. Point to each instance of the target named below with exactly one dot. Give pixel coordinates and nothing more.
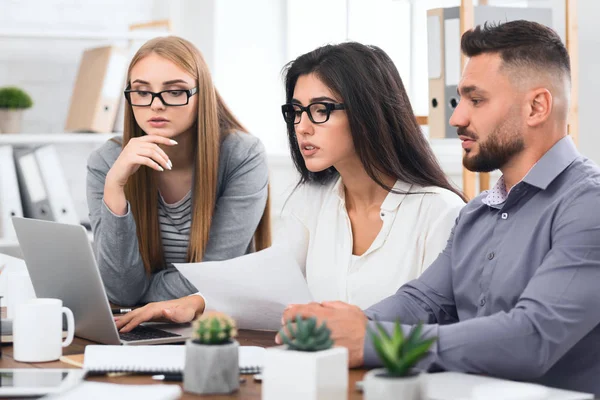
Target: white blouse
(316, 228)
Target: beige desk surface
(248, 390)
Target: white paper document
(103, 391)
(459, 386)
(253, 289)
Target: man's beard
(500, 146)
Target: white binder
(44, 189)
(10, 198)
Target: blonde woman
(186, 183)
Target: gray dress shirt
(516, 292)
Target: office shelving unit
(35, 139)
(136, 34)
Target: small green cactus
(214, 328)
(397, 353)
(14, 98)
(306, 336)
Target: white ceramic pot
(319, 375)
(378, 385)
(10, 120)
(211, 369)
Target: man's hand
(180, 310)
(348, 325)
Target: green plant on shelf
(14, 98)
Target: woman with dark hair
(373, 208)
(376, 206)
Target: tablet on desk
(36, 381)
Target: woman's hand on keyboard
(180, 310)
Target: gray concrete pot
(211, 369)
(10, 120)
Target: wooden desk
(248, 390)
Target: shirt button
(504, 215)
(482, 302)
(491, 256)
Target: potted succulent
(399, 355)
(12, 103)
(306, 362)
(211, 356)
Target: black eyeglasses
(317, 112)
(172, 97)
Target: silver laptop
(61, 264)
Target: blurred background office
(246, 44)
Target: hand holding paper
(253, 289)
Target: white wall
(246, 42)
(249, 55)
(250, 51)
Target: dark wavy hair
(385, 132)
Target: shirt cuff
(370, 357)
(204, 298)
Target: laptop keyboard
(145, 333)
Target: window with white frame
(384, 23)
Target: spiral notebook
(157, 359)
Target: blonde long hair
(214, 121)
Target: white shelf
(80, 35)
(54, 138)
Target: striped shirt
(175, 222)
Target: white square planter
(302, 375)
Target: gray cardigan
(242, 190)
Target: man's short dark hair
(522, 44)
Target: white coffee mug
(37, 330)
